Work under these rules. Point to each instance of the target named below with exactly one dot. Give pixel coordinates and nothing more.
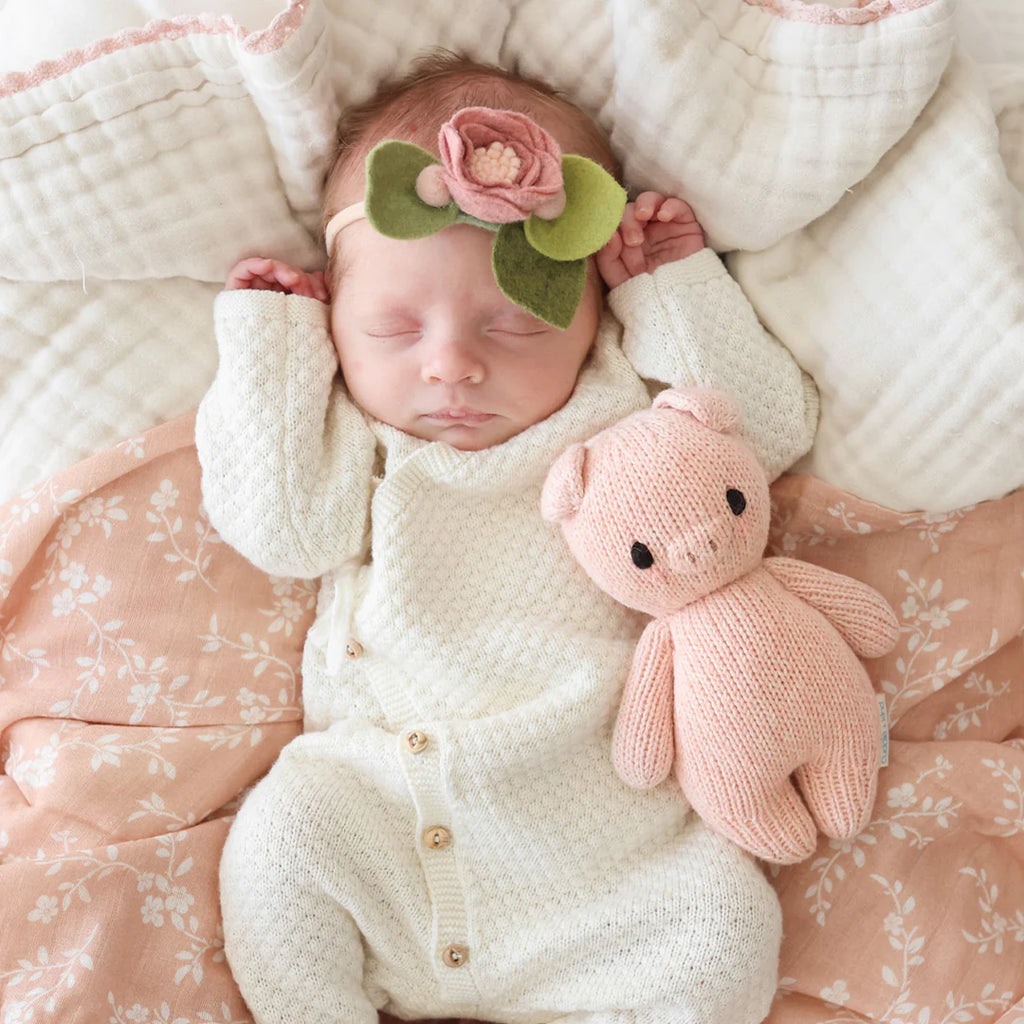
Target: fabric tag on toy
(883, 712)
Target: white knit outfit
(449, 836)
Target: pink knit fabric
(747, 678)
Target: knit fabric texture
(747, 676)
(449, 837)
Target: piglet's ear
(563, 489)
(715, 409)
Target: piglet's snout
(697, 547)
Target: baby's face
(429, 344)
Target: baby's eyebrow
(516, 313)
(388, 311)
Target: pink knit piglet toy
(747, 677)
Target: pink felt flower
(500, 166)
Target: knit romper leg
(295, 952)
(594, 1017)
(630, 1017)
(686, 933)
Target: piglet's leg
(765, 816)
(839, 787)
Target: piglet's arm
(858, 611)
(643, 744)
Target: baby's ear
(715, 409)
(563, 489)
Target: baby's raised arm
(686, 322)
(287, 459)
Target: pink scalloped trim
(265, 41)
(859, 13)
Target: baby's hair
(414, 106)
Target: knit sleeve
(287, 459)
(690, 323)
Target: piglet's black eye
(736, 501)
(641, 555)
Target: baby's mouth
(459, 415)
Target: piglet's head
(666, 506)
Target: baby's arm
(287, 459)
(686, 321)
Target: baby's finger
(634, 259)
(287, 275)
(609, 264)
(676, 209)
(647, 204)
(320, 287)
(311, 288)
(630, 228)
(611, 249)
(242, 273)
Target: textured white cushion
(40, 30)
(167, 155)
(172, 149)
(905, 302)
(81, 371)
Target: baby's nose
(452, 360)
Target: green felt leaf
(550, 289)
(594, 202)
(466, 218)
(392, 206)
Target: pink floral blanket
(148, 675)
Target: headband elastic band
(340, 221)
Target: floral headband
(502, 171)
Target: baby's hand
(655, 230)
(274, 276)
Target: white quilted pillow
(172, 149)
(153, 156)
(136, 166)
(82, 371)
(906, 304)
(761, 114)
(34, 31)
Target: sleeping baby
(449, 837)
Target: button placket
(423, 763)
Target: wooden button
(436, 838)
(455, 955)
(416, 741)
(353, 648)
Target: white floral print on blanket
(148, 674)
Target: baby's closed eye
(519, 323)
(397, 328)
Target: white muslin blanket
(861, 165)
